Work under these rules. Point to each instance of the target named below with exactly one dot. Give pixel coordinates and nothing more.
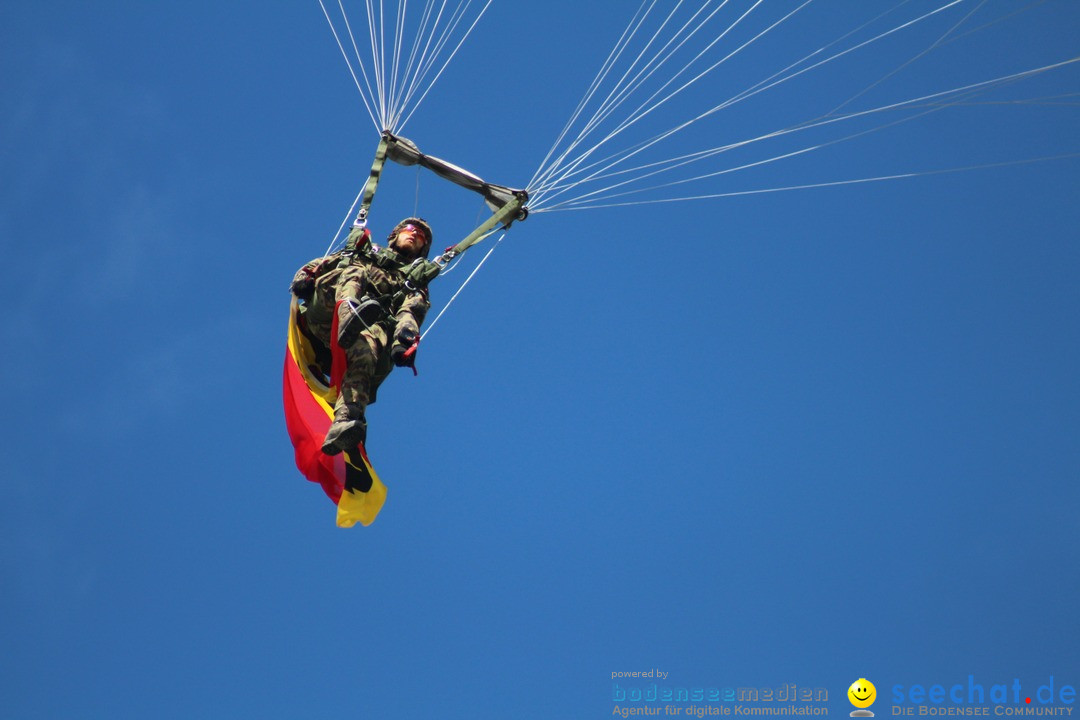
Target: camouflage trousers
(367, 362)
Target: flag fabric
(347, 478)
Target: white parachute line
(459, 290)
(359, 59)
(970, 90)
(834, 183)
(963, 93)
(436, 41)
(739, 95)
(747, 93)
(623, 88)
(395, 57)
(448, 59)
(942, 42)
(348, 63)
(453, 265)
(598, 195)
(936, 44)
(680, 161)
(376, 63)
(613, 57)
(750, 92)
(639, 114)
(387, 46)
(1046, 101)
(623, 43)
(626, 85)
(589, 201)
(416, 61)
(593, 86)
(408, 75)
(809, 56)
(334, 241)
(640, 111)
(656, 62)
(541, 191)
(383, 76)
(625, 155)
(1002, 18)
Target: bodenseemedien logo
(862, 695)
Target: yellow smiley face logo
(862, 693)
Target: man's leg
(350, 426)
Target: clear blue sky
(796, 437)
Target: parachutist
(365, 305)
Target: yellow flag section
(347, 478)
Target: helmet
(418, 222)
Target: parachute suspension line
(753, 90)
(414, 55)
(403, 67)
(435, 41)
(962, 92)
(835, 183)
(451, 56)
(941, 42)
(644, 145)
(449, 302)
(626, 85)
(374, 94)
(416, 197)
(356, 81)
(1030, 6)
(539, 194)
(378, 57)
(658, 167)
(933, 46)
(1048, 100)
(584, 200)
(545, 170)
(395, 63)
(360, 62)
(348, 216)
(644, 109)
(616, 50)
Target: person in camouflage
(380, 298)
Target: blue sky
(790, 437)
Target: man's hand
(303, 285)
(403, 353)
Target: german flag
(347, 478)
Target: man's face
(410, 241)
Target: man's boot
(348, 430)
(356, 316)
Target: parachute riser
(509, 203)
(372, 183)
(504, 216)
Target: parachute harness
(506, 204)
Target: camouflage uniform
(380, 275)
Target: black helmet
(417, 222)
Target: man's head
(411, 237)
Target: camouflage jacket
(380, 274)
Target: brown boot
(348, 430)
